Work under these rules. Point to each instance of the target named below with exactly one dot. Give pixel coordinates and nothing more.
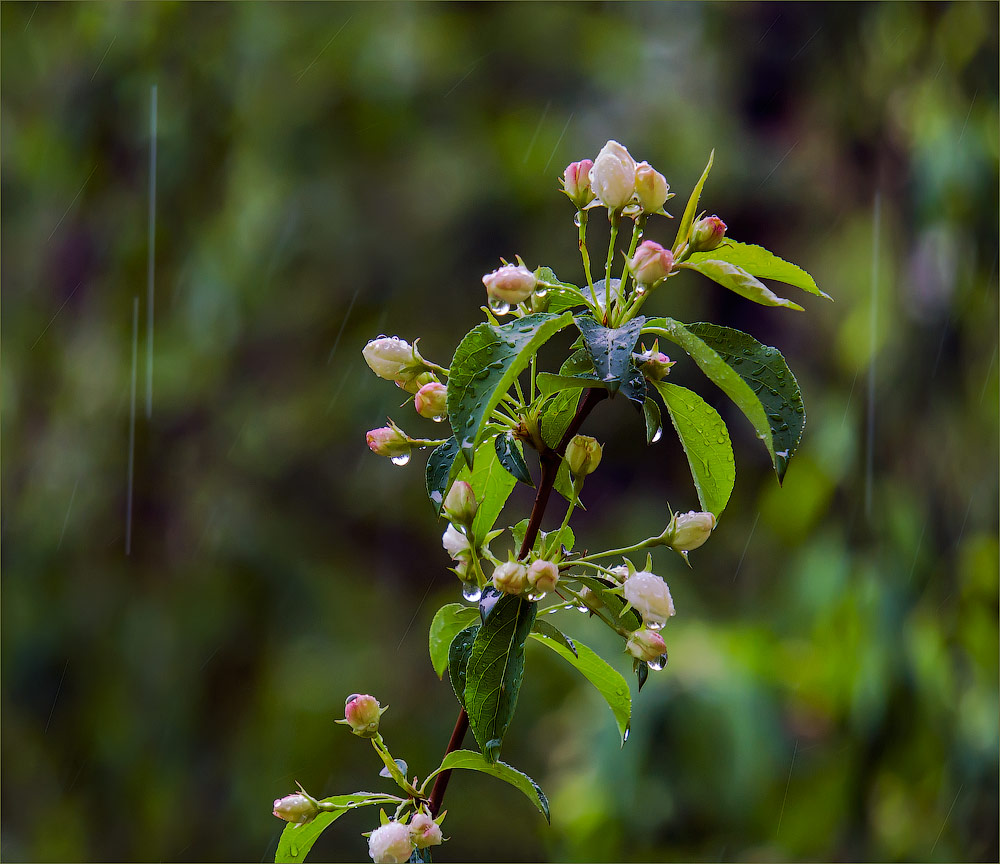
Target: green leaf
(458, 660)
(496, 666)
(737, 279)
(492, 484)
(560, 296)
(706, 444)
(485, 365)
(553, 539)
(614, 603)
(472, 761)
(610, 349)
(448, 622)
(757, 261)
(440, 471)
(608, 681)
(557, 414)
(687, 220)
(564, 484)
(509, 453)
(654, 426)
(550, 631)
(768, 375)
(297, 840)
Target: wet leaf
(610, 351)
(448, 622)
(472, 761)
(441, 469)
(509, 453)
(737, 280)
(691, 210)
(297, 840)
(757, 261)
(458, 659)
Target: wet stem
(616, 218)
(549, 460)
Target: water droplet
(439, 418)
(401, 459)
(500, 307)
(653, 624)
(436, 497)
(471, 592)
(552, 611)
(640, 290)
(582, 609)
(657, 664)
(534, 598)
(625, 736)
(576, 219)
(294, 850)
(657, 435)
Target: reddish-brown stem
(549, 460)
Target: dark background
(327, 173)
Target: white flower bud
(510, 577)
(460, 504)
(690, 530)
(651, 187)
(613, 176)
(512, 283)
(297, 809)
(388, 356)
(456, 544)
(390, 844)
(424, 831)
(650, 597)
(543, 576)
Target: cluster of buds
(688, 531)
(654, 364)
(537, 579)
(616, 181)
(362, 713)
(394, 842)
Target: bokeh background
(329, 172)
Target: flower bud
(583, 455)
(413, 385)
(510, 577)
(390, 844)
(424, 831)
(707, 234)
(389, 356)
(576, 183)
(460, 504)
(362, 714)
(512, 283)
(651, 263)
(650, 597)
(388, 441)
(456, 544)
(431, 400)
(620, 572)
(651, 187)
(613, 176)
(297, 808)
(654, 364)
(646, 645)
(543, 576)
(591, 599)
(688, 531)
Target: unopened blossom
(362, 713)
(543, 576)
(707, 234)
(650, 597)
(510, 577)
(651, 262)
(389, 356)
(576, 183)
(460, 503)
(456, 544)
(390, 844)
(654, 364)
(583, 455)
(651, 187)
(296, 808)
(388, 441)
(690, 530)
(431, 400)
(646, 645)
(424, 831)
(613, 176)
(512, 283)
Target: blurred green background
(327, 173)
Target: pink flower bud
(654, 364)
(543, 576)
(576, 183)
(456, 544)
(646, 645)
(362, 713)
(707, 234)
(389, 356)
(390, 844)
(613, 176)
(388, 442)
(297, 809)
(424, 831)
(510, 578)
(431, 400)
(651, 263)
(651, 187)
(583, 455)
(650, 597)
(460, 504)
(512, 283)
(688, 531)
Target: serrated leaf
(615, 604)
(764, 369)
(560, 297)
(737, 280)
(610, 349)
(608, 681)
(458, 660)
(706, 443)
(509, 453)
(687, 220)
(496, 666)
(440, 471)
(296, 840)
(758, 261)
(485, 365)
(448, 622)
(651, 414)
(550, 631)
(492, 484)
(472, 761)
(557, 414)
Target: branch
(549, 460)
